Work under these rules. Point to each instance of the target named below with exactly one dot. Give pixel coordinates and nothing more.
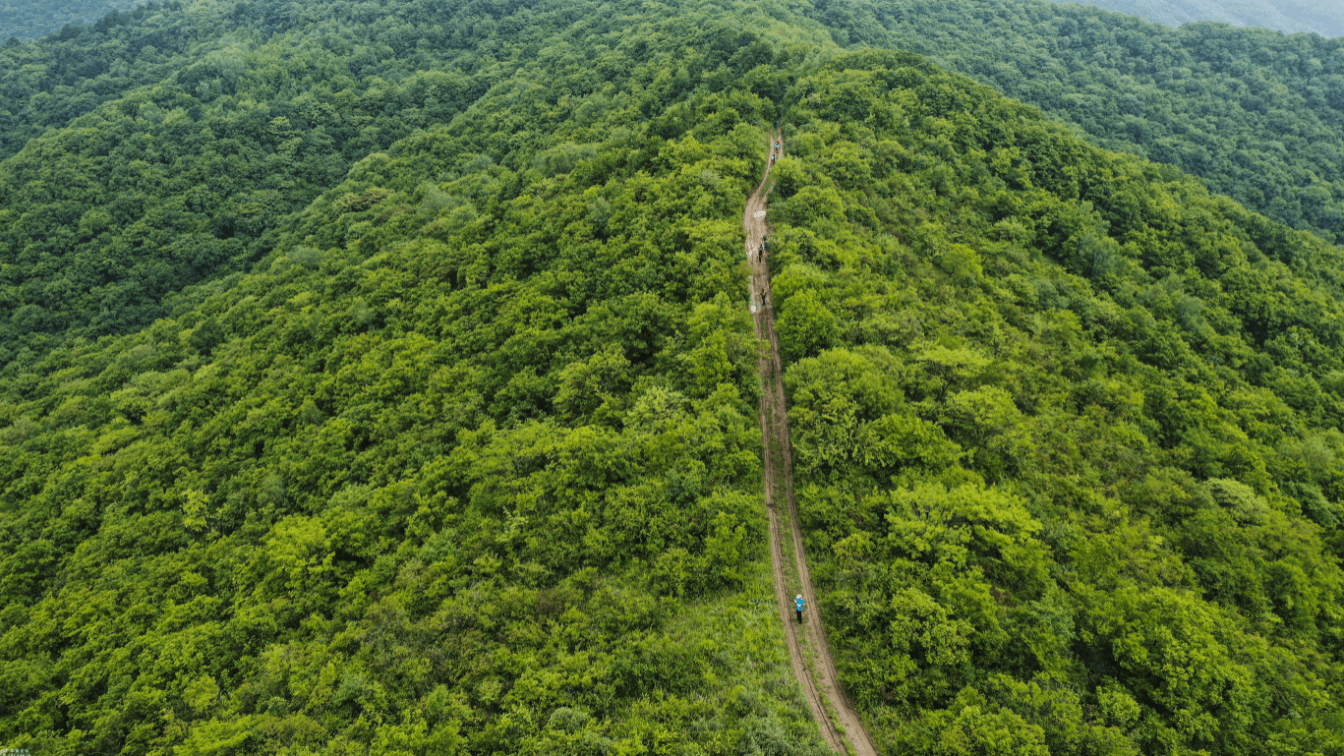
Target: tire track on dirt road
(821, 690)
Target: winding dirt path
(809, 653)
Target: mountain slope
(1257, 115)
(190, 179)
(469, 465)
(1065, 431)
(204, 180)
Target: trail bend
(819, 681)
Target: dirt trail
(807, 642)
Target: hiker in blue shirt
(798, 604)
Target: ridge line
(824, 695)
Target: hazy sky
(1325, 17)
(30, 19)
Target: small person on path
(798, 604)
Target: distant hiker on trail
(798, 604)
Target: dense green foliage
(29, 19)
(171, 144)
(1325, 19)
(48, 84)
(1256, 114)
(1068, 452)
(191, 178)
(468, 464)
(422, 414)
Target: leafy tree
(464, 463)
(806, 326)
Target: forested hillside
(1066, 432)
(30, 19)
(214, 123)
(469, 464)
(1256, 114)
(1325, 19)
(191, 178)
(421, 416)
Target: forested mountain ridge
(469, 461)
(533, 315)
(217, 121)
(186, 180)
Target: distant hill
(1325, 17)
(1256, 114)
(30, 19)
